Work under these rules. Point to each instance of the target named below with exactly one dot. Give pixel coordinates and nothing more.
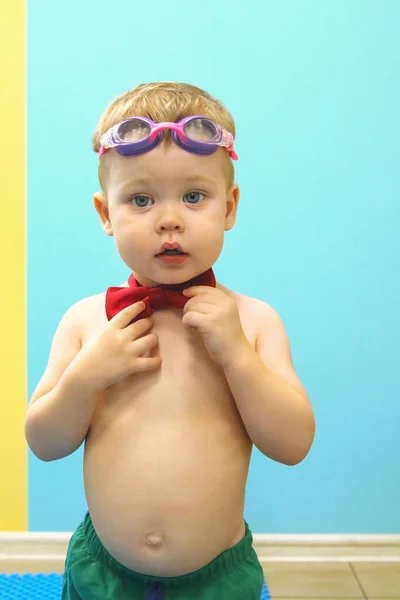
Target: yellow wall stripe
(13, 454)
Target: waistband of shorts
(224, 562)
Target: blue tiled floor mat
(30, 587)
(44, 587)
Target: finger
(203, 299)
(203, 290)
(143, 344)
(139, 327)
(146, 364)
(125, 316)
(197, 289)
(199, 307)
(195, 319)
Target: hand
(216, 317)
(117, 351)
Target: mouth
(171, 249)
(172, 254)
(172, 259)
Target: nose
(170, 220)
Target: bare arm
(272, 402)
(62, 405)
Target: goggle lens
(200, 130)
(134, 130)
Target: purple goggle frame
(196, 134)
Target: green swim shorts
(91, 573)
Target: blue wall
(315, 90)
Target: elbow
(300, 451)
(43, 447)
(47, 454)
(293, 457)
(296, 458)
(38, 451)
(35, 446)
(42, 455)
(34, 435)
(295, 449)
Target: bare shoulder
(271, 340)
(90, 311)
(82, 316)
(262, 314)
(91, 302)
(82, 307)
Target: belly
(165, 482)
(166, 460)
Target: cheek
(124, 222)
(215, 220)
(128, 234)
(208, 227)
(211, 232)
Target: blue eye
(194, 197)
(141, 201)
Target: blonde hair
(163, 101)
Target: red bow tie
(118, 298)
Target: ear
(100, 204)
(232, 201)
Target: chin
(178, 274)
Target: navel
(154, 540)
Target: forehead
(166, 163)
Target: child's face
(168, 195)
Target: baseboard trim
(327, 547)
(45, 552)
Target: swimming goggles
(196, 134)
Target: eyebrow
(148, 180)
(199, 178)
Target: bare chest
(188, 385)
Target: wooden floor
(336, 581)
(299, 580)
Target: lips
(171, 249)
(172, 259)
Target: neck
(206, 276)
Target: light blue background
(315, 90)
